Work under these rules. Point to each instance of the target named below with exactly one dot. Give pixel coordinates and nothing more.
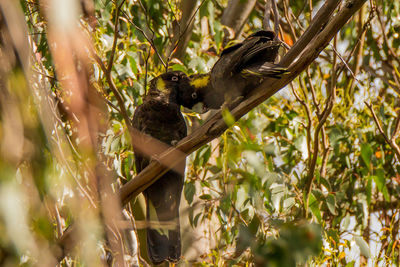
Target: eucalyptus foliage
(248, 187)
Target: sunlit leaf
(364, 247)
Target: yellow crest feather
(161, 85)
(200, 82)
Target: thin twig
(346, 65)
(325, 152)
(183, 33)
(173, 14)
(396, 130)
(114, 45)
(373, 72)
(112, 105)
(360, 34)
(392, 54)
(267, 15)
(378, 124)
(308, 112)
(288, 20)
(113, 88)
(323, 117)
(146, 70)
(215, 126)
(312, 89)
(389, 140)
(149, 40)
(276, 19)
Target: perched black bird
(240, 68)
(160, 117)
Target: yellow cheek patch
(161, 85)
(200, 82)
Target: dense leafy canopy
(246, 194)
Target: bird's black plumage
(159, 116)
(240, 68)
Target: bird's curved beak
(199, 108)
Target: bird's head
(176, 87)
(207, 97)
(166, 87)
(193, 92)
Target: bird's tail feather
(265, 70)
(163, 237)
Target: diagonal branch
(391, 141)
(318, 22)
(144, 143)
(181, 36)
(215, 126)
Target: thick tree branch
(270, 6)
(318, 22)
(276, 19)
(267, 15)
(215, 126)
(146, 144)
(183, 29)
(236, 14)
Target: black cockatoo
(240, 68)
(160, 117)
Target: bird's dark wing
(265, 70)
(258, 47)
(164, 122)
(230, 61)
(139, 122)
(268, 35)
(230, 49)
(264, 35)
(259, 53)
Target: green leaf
(368, 190)
(364, 247)
(214, 169)
(178, 67)
(380, 181)
(366, 154)
(313, 205)
(205, 197)
(324, 182)
(345, 222)
(133, 63)
(228, 117)
(196, 219)
(189, 191)
(331, 203)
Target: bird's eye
(194, 95)
(174, 78)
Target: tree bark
(183, 29)
(236, 13)
(304, 49)
(215, 126)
